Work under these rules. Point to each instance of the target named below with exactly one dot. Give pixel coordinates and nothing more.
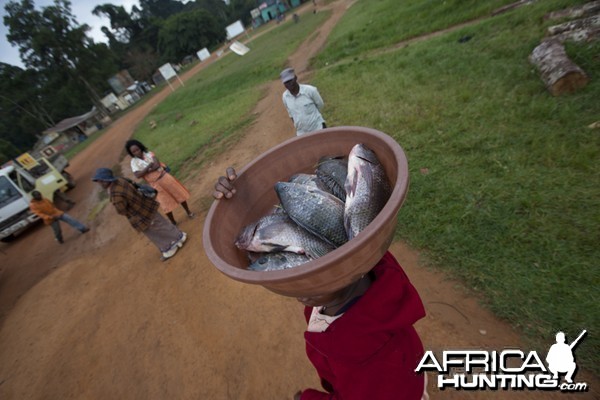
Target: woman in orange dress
(171, 193)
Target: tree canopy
(67, 72)
(47, 38)
(186, 33)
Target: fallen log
(558, 72)
(579, 36)
(581, 24)
(575, 12)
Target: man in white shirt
(303, 103)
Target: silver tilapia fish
(277, 232)
(307, 179)
(332, 172)
(367, 189)
(315, 210)
(278, 261)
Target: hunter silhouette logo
(560, 356)
(508, 369)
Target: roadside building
(71, 131)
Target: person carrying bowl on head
(51, 215)
(142, 213)
(171, 192)
(361, 338)
(303, 103)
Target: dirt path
(101, 318)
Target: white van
(16, 185)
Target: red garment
(372, 350)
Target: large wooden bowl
(256, 197)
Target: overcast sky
(81, 9)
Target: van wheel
(7, 239)
(70, 180)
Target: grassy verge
(504, 181)
(373, 25)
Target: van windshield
(8, 193)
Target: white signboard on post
(234, 29)
(239, 48)
(168, 72)
(203, 54)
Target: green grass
(504, 178)
(370, 25)
(509, 200)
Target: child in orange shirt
(51, 215)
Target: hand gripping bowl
(255, 197)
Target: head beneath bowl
(336, 302)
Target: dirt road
(100, 317)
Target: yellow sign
(27, 161)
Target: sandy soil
(100, 317)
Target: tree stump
(558, 72)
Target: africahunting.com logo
(510, 369)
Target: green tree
(46, 39)
(142, 63)
(133, 38)
(23, 113)
(217, 8)
(151, 34)
(240, 10)
(186, 33)
(124, 26)
(8, 151)
(160, 8)
(51, 42)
